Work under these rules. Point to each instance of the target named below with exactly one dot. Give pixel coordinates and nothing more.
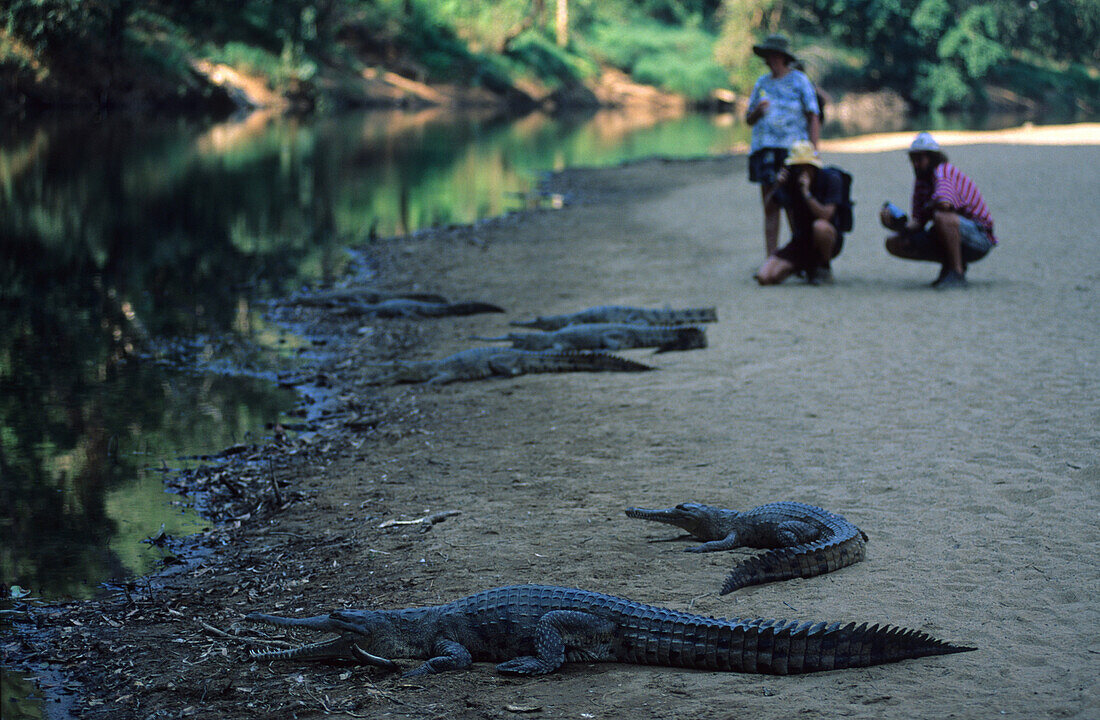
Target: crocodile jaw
(702, 521)
(345, 647)
(669, 515)
(341, 648)
(677, 516)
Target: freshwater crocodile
(479, 363)
(621, 314)
(802, 540)
(608, 336)
(534, 629)
(412, 309)
(342, 296)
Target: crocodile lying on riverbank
(802, 540)
(371, 296)
(608, 336)
(622, 314)
(479, 363)
(413, 309)
(533, 630)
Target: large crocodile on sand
(534, 629)
(608, 336)
(802, 540)
(479, 363)
(413, 309)
(621, 314)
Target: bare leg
(824, 239)
(899, 246)
(946, 227)
(771, 221)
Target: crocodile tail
(539, 323)
(776, 647)
(797, 561)
(685, 316)
(780, 647)
(582, 362)
(473, 308)
(707, 314)
(422, 297)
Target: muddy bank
(959, 431)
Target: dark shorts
(766, 163)
(800, 252)
(976, 242)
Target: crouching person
(950, 222)
(811, 194)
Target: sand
(959, 430)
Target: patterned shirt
(953, 187)
(791, 97)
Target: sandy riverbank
(958, 430)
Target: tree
(740, 22)
(561, 23)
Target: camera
(898, 218)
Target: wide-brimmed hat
(803, 153)
(924, 142)
(774, 44)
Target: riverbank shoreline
(863, 397)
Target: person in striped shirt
(950, 223)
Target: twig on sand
(222, 633)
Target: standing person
(782, 110)
(811, 194)
(950, 222)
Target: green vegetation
(939, 54)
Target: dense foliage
(941, 52)
(937, 53)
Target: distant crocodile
(803, 540)
(534, 629)
(411, 309)
(479, 363)
(343, 296)
(608, 336)
(620, 314)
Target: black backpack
(844, 219)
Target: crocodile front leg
(450, 656)
(796, 532)
(588, 636)
(729, 542)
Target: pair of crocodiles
(534, 629)
(569, 343)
